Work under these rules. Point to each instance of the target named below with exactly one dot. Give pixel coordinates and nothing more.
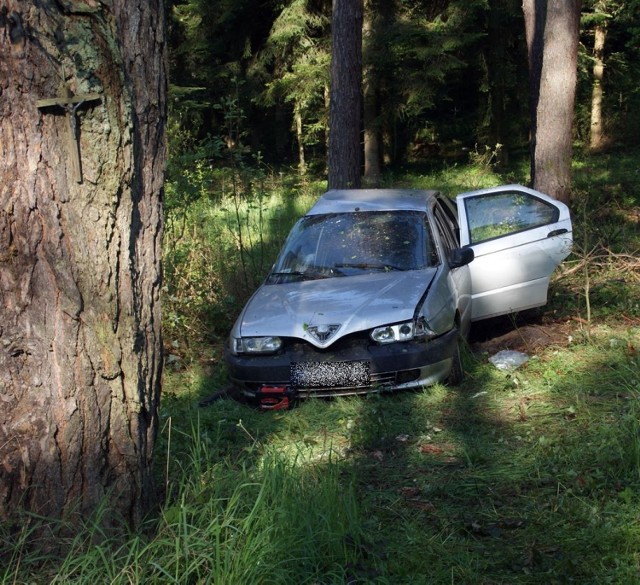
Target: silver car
(374, 289)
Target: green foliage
(226, 218)
(226, 215)
(517, 477)
(446, 75)
(621, 96)
(423, 61)
(514, 477)
(295, 65)
(219, 246)
(431, 67)
(602, 280)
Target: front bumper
(388, 367)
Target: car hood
(323, 311)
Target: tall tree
(370, 88)
(82, 116)
(596, 135)
(346, 95)
(297, 48)
(552, 29)
(597, 17)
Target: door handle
(559, 232)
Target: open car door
(519, 236)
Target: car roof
(349, 200)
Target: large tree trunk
(80, 248)
(552, 28)
(346, 95)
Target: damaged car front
(361, 299)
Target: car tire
(456, 374)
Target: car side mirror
(461, 257)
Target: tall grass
(219, 243)
(524, 477)
(274, 520)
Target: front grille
(380, 382)
(351, 349)
(354, 342)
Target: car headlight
(255, 345)
(401, 332)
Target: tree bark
(552, 28)
(372, 169)
(344, 154)
(597, 136)
(80, 273)
(302, 163)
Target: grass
(523, 477)
(518, 477)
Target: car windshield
(345, 244)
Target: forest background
(440, 78)
(519, 477)
(445, 83)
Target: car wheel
(456, 375)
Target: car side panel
(513, 278)
(512, 272)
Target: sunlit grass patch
(512, 477)
(526, 476)
(522, 477)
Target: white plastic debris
(508, 359)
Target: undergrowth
(524, 476)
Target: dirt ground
(528, 334)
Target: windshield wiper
(299, 274)
(370, 266)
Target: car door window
(518, 236)
(446, 230)
(495, 215)
(447, 208)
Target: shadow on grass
(512, 477)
